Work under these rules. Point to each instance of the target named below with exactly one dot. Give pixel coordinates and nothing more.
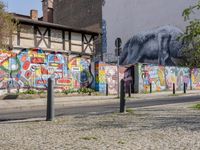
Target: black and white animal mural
(158, 46)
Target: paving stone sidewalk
(164, 127)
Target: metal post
(129, 90)
(122, 97)
(185, 88)
(106, 89)
(118, 44)
(50, 100)
(174, 90)
(150, 87)
(118, 83)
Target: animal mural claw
(158, 46)
(31, 68)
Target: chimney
(34, 14)
(47, 6)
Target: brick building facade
(79, 13)
(83, 14)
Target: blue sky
(23, 6)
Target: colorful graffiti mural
(31, 68)
(195, 78)
(162, 78)
(107, 74)
(32, 62)
(177, 75)
(100, 77)
(152, 74)
(81, 72)
(111, 79)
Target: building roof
(28, 20)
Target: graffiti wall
(195, 78)
(157, 46)
(162, 78)
(111, 79)
(7, 69)
(32, 68)
(100, 77)
(177, 75)
(107, 74)
(151, 74)
(80, 71)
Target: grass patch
(130, 110)
(88, 138)
(197, 106)
(121, 142)
(80, 91)
(145, 92)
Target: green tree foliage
(7, 26)
(191, 37)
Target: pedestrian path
(166, 94)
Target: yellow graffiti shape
(173, 79)
(6, 64)
(161, 77)
(38, 72)
(194, 79)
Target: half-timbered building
(40, 50)
(34, 33)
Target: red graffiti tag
(63, 81)
(44, 71)
(37, 60)
(41, 82)
(26, 65)
(23, 58)
(28, 74)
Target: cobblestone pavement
(173, 127)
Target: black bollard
(106, 89)
(129, 90)
(185, 88)
(122, 97)
(174, 90)
(50, 100)
(150, 87)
